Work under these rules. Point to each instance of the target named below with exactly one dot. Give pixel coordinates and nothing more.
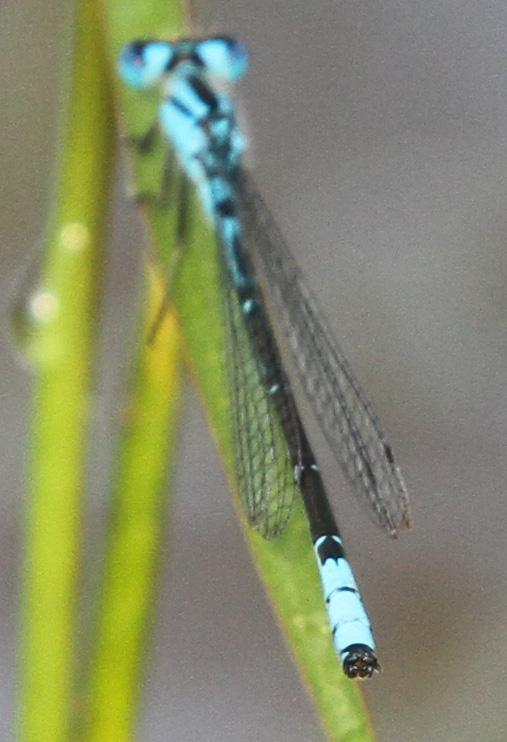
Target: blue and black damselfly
(273, 455)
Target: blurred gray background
(379, 138)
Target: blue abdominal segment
(348, 619)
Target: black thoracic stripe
(181, 107)
(204, 92)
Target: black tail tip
(360, 661)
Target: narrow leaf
(57, 331)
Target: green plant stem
(136, 530)
(59, 339)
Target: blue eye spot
(223, 57)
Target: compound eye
(133, 54)
(136, 53)
(223, 57)
(143, 64)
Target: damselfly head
(144, 64)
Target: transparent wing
(263, 462)
(341, 407)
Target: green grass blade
(146, 451)
(57, 334)
(136, 532)
(287, 566)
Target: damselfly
(273, 455)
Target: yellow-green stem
(58, 337)
(135, 534)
